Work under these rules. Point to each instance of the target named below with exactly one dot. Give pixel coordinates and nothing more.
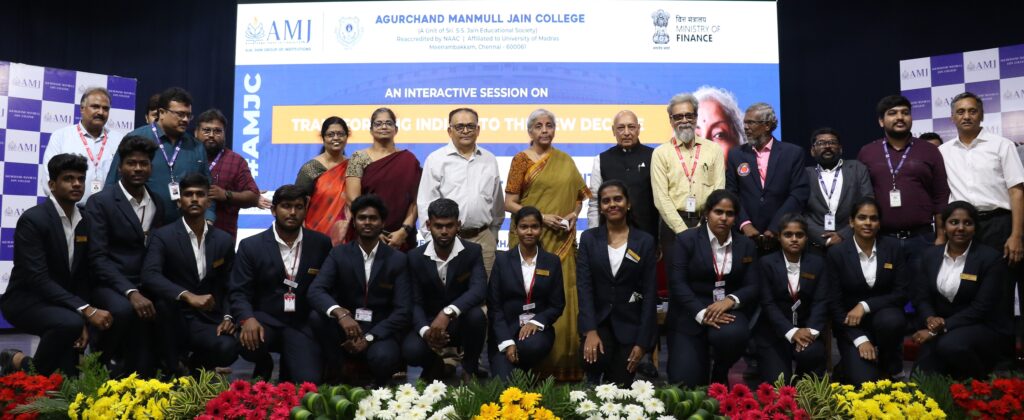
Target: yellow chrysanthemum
(488, 411)
(530, 400)
(510, 395)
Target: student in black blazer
(617, 290)
(794, 305)
(362, 296)
(713, 288)
(47, 294)
(186, 268)
(523, 314)
(448, 289)
(270, 277)
(121, 219)
(963, 305)
(869, 293)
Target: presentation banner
(300, 63)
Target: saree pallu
(396, 180)
(553, 185)
(327, 212)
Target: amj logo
(58, 118)
(16, 146)
(982, 65)
(285, 30)
(27, 83)
(915, 73)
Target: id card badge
(291, 284)
(894, 198)
(525, 317)
(720, 284)
(529, 306)
(719, 294)
(96, 187)
(175, 192)
(691, 204)
(796, 305)
(364, 315)
(289, 302)
(830, 222)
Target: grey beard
(685, 134)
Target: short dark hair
(956, 205)
(463, 109)
(825, 130)
(369, 200)
(154, 103)
(132, 144)
(788, 218)
(212, 114)
(384, 109)
(175, 94)
(965, 95)
(863, 202)
(93, 90)
(930, 136)
(443, 208)
(890, 102)
(527, 211)
(66, 162)
(288, 192)
(195, 179)
(717, 196)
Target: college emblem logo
(743, 169)
(348, 31)
(254, 31)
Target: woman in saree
(391, 174)
(323, 179)
(546, 178)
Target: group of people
(755, 248)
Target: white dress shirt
(67, 140)
(68, 223)
(528, 268)
(948, 280)
(827, 176)
(723, 255)
(615, 256)
(793, 276)
(869, 267)
(442, 270)
(144, 209)
(982, 173)
(474, 183)
(198, 248)
(290, 255)
(367, 267)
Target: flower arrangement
(886, 399)
(19, 388)
(766, 403)
(608, 401)
(515, 405)
(130, 397)
(260, 401)
(998, 399)
(405, 402)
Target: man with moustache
(835, 184)
(684, 171)
(90, 138)
(909, 179)
(180, 153)
(232, 185)
(630, 162)
(768, 176)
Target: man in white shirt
(468, 174)
(89, 138)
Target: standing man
(630, 162)
(909, 179)
(90, 138)
(467, 174)
(768, 176)
(153, 108)
(232, 184)
(180, 153)
(835, 184)
(684, 171)
(932, 138)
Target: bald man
(630, 162)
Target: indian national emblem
(348, 31)
(254, 31)
(660, 19)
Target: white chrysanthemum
(635, 417)
(381, 394)
(577, 396)
(406, 392)
(633, 410)
(413, 414)
(643, 390)
(422, 404)
(611, 409)
(361, 415)
(666, 418)
(595, 416)
(606, 392)
(585, 407)
(365, 404)
(654, 406)
(384, 414)
(443, 413)
(435, 391)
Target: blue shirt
(191, 158)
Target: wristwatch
(409, 230)
(369, 338)
(449, 312)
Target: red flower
(717, 390)
(307, 387)
(749, 404)
(240, 386)
(740, 391)
(787, 403)
(728, 406)
(981, 388)
(766, 393)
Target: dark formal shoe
(7, 361)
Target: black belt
(907, 233)
(470, 232)
(985, 215)
(689, 214)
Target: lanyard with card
(830, 217)
(96, 185)
(794, 294)
(215, 160)
(530, 304)
(173, 185)
(895, 200)
(365, 314)
(719, 292)
(691, 199)
(289, 280)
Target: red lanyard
(693, 168)
(793, 293)
(95, 160)
(291, 274)
(719, 273)
(529, 292)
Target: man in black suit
(47, 295)
(768, 177)
(448, 281)
(186, 268)
(362, 296)
(120, 220)
(835, 184)
(271, 274)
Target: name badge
(632, 256)
(718, 294)
(887, 266)
(289, 302)
(175, 191)
(96, 187)
(969, 277)
(691, 204)
(364, 314)
(529, 306)
(830, 222)
(292, 284)
(808, 276)
(81, 238)
(313, 271)
(218, 263)
(542, 272)
(894, 199)
(720, 283)
(524, 318)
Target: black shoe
(7, 361)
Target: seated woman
(617, 290)
(713, 288)
(525, 298)
(961, 292)
(794, 306)
(869, 293)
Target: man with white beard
(684, 171)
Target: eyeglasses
(689, 116)
(335, 134)
(624, 128)
(826, 143)
(211, 130)
(182, 115)
(385, 123)
(752, 122)
(465, 127)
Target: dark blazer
(776, 302)
(603, 296)
(257, 278)
(785, 189)
(41, 273)
(342, 281)
(507, 294)
(170, 267)
(891, 282)
(118, 243)
(692, 278)
(856, 185)
(984, 298)
(465, 285)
